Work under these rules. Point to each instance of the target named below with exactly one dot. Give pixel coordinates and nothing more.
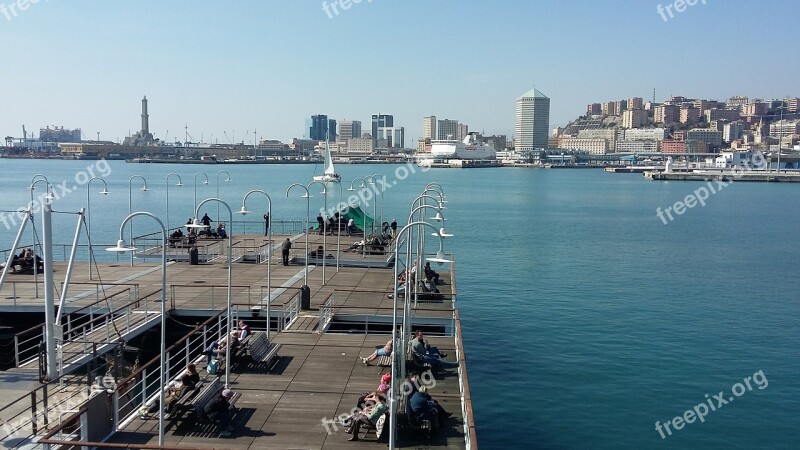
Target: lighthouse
(145, 118)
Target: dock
(289, 402)
(725, 175)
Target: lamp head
(121, 247)
(243, 211)
(442, 233)
(104, 191)
(144, 188)
(439, 259)
(178, 184)
(195, 224)
(205, 182)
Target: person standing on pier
(394, 228)
(266, 224)
(320, 223)
(285, 247)
(351, 225)
(206, 221)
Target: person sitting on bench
(175, 390)
(244, 330)
(368, 415)
(386, 350)
(431, 274)
(221, 233)
(429, 354)
(426, 408)
(190, 377)
(218, 410)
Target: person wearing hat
(218, 410)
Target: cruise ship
(472, 151)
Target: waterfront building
(673, 146)
(429, 128)
(591, 146)
(755, 108)
(711, 137)
(532, 120)
(349, 129)
(57, 134)
(594, 109)
(360, 146)
(446, 129)
(381, 121)
(638, 146)
(463, 131)
(634, 118)
(320, 128)
(644, 134)
(390, 137)
(635, 103)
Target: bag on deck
(212, 367)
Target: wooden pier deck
(317, 376)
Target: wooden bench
(207, 393)
(261, 350)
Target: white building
(360, 146)
(532, 121)
(644, 134)
(711, 137)
(634, 118)
(592, 146)
(638, 146)
(732, 131)
(429, 127)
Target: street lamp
(121, 247)
(227, 180)
(244, 212)
(307, 196)
(439, 258)
(324, 193)
(179, 183)
(89, 215)
(230, 278)
(48, 196)
(194, 205)
(130, 203)
(380, 190)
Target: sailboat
(330, 174)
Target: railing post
(14, 292)
(34, 426)
(16, 350)
(115, 402)
(144, 387)
(212, 298)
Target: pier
(290, 401)
(725, 175)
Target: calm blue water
(586, 319)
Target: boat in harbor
(445, 152)
(329, 175)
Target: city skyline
(217, 71)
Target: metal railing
(207, 249)
(248, 251)
(61, 252)
(278, 227)
(289, 312)
(470, 437)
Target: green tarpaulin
(362, 220)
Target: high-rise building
(429, 127)
(463, 131)
(635, 103)
(610, 108)
(594, 109)
(666, 114)
(634, 118)
(320, 128)
(532, 121)
(446, 129)
(738, 100)
(381, 121)
(732, 131)
(690, 115)
(620, 106)
(349, 129)
(391, 137)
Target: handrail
(470, 434)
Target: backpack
(212, 367)
(382, 428)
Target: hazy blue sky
(267, 65)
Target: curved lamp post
(89, 216)
(227, 180)
(324, 193)
(244, 212)
(230, 278)
(38, 178)
(121, 247)
(130, 204)
(194, 205)
(439, 258)
(380, 190)
(179, 183)
(307, 196)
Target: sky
(225, 69)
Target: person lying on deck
(386, 350)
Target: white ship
(446, 151)
(330, 174)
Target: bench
(208, 393)
(261, 350)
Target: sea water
(586, 318)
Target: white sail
(329, 170)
